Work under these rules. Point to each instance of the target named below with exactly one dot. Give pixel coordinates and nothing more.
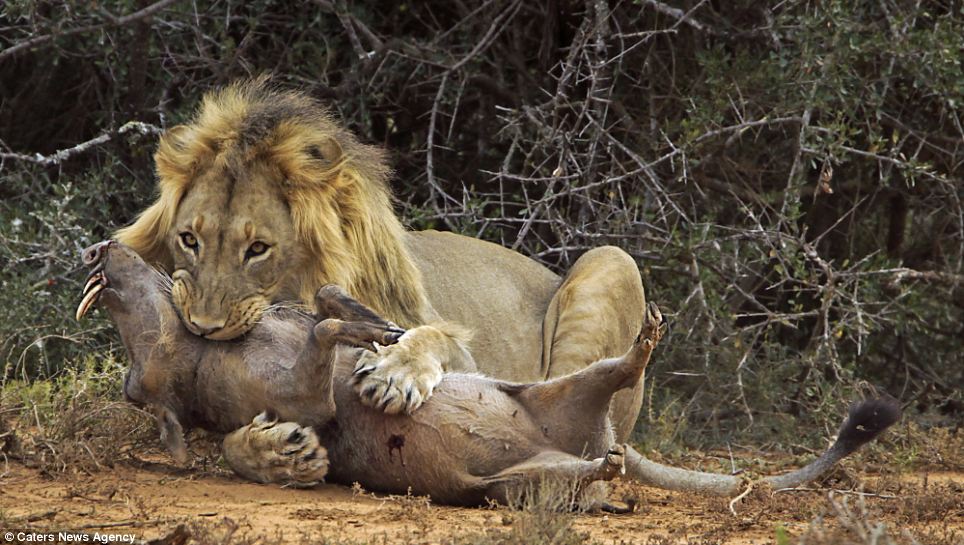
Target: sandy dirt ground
(150, 499)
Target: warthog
(283, 390)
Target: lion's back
(499, 294)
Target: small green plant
(781, 536)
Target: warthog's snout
(94, 257)
(93, 254)
(113, 265)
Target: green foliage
(43, 230)
(787, 174)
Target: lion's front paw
(399, 377)
(269, 451)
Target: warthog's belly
(467, 430)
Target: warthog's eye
(189, 241)
(257, 248)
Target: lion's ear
(328, 150)
(319, 162)
(327, 157)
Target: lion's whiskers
(284, 306)
(163, 280)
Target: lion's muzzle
(204, 320)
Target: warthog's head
(188, 379)
(137, 296)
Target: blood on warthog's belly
(467, 429)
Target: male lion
(264, 198)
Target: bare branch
(684, 16)
(64, 154)
(112, 21)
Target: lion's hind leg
(595, 314)
(573, 409)
(560, 480)
(269, 451)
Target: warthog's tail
(865, 422)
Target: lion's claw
(269, 451)
(397, 378)
(362, 371)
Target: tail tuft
(867, 419)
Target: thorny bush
(787, 174)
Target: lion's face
(264, 199)
(233, 245)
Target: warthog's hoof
(654, 326)
(616, 460)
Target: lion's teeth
(88, 301)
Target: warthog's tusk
(94, 279)
(90, 297)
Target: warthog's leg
(595, 314)
(172, 434)
(573, 409)
(557, 473)
(599, 381)
(332, 301)
(330, 332)
(315, 366)
(269, 451)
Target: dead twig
(112, 21)
(62, 155)
(838, 491)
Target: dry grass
(851, 522)
(541, 515)
(76, 421)
(75, 424)
(914, 446)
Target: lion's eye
(257, 248)
(189, 241)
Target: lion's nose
(205, 326)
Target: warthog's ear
(172, 434)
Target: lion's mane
(336, 189)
